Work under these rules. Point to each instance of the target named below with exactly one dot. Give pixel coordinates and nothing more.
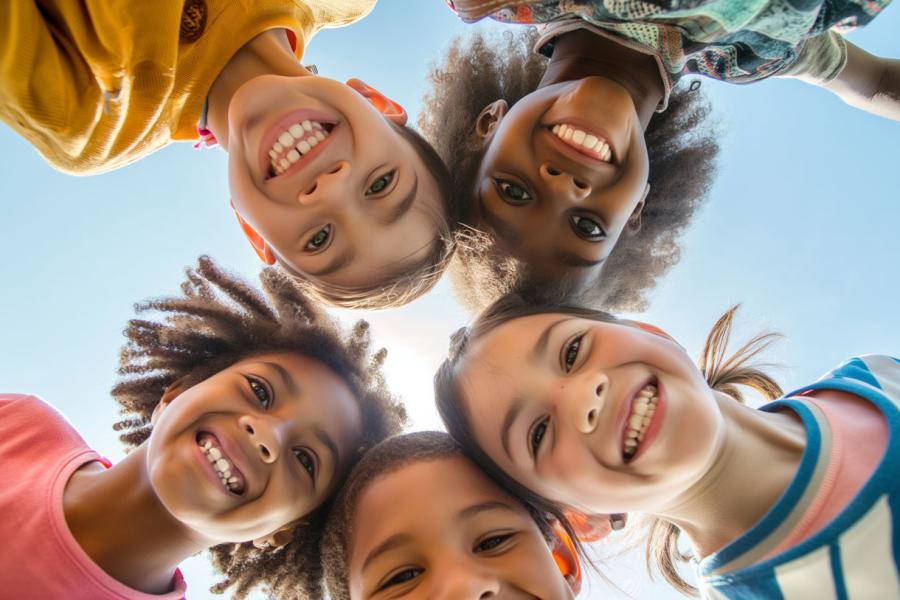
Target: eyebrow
(403, 207)
(339, 262)
(389, 544)
(286, 378)
(517, 405)
(570, 259)
(475, 509)
(501, 227)
(540, 346)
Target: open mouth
(643, 409)
(232, 479)
(296, 142)
(587, 143)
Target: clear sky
(801, 229)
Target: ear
(490, 117)
(650, 329)
(278, 538)
(175, 389)
(588, 528)
(634, 221)
(387, 107)
(566, 558)
(259, 244)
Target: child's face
(357, 205)
(553, 203)
(552, 400)
(285, 425)
(440, 529)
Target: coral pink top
(39, 557)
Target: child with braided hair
(243, 409)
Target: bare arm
(869, 82)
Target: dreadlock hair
(681, 143)
(217, 321)
(406, 281)
(389, 457)
(723, 373)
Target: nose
(327, 184)
(588, 401)
(264, 436)
(465, 581)
(564, 184)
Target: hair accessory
(569, 565)
(617, 521)
(259, 244)
(207, 138)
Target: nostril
(553, 171)
(265, 451)
(582, 185)
(311, 189)
(249, 429)
(335, 169)
(592, 416)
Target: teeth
(303, 147)
(278, 147)
(286, 139)
(214, 453)
(589, 141)
(598, 146)
(299, 139)
(293, 156)
(639, 421)
(320, 135)
(306, 125)
(312, 141)
(222, 465)
(296, 130)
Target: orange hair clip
(259, 244)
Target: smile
(296, 142)
(232, 479)
(584, 142)
(641, 421)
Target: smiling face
(564, 175)
(600, 416)
(444, 530)
(254, 447)
(328, 181)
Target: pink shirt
(39, 557)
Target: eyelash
(500, 539)
(571, 353)
(575, 220)
(311, 245)
(503, 187)
(537, 435)
(311, 468)
(257, 388)
(389, 177)
(398, 579)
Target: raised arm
(869, 82)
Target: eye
(319, 239)
(587, 228)
(404, 576)
(307, 461)
(537, 435)
(492, 542)
(260, 391)
(381, 184)
(571, 353)
(513, 193)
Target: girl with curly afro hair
(243, 410)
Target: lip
(655, 421)
(234, 456)
(589, 128)
(279, 126)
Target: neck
(581, 54)
(728, 500)
(269, 53)
(120, 523)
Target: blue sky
(800, 229)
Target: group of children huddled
(556, 169)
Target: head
(250, 406)
(601, 223)
(589, 411)
(416, 519)
(329, 182)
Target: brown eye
(572, 353)
(307, 461)
(260, 391)
(587, 228)
(319, 239)
(537, 435)
(512, 192)
(404, 576)
(492, 542)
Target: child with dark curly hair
(325, 177)
(582, 170)
(243, 409)
(417, 519)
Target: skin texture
(555, 208)
(492, 551)
(140, 518)
(870, 83)
(347, 191)
(574, 394)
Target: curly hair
(723, 373)
(479, 69)
(388, 457)
(217, 321)
(407, 281)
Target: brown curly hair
(387, 457)
(217, 321)
(479, 69)
(723, 373)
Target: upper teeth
(220, 464)
(642, 410)
(294, 142)
(595, 146)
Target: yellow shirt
(97, 84)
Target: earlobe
(172, 391)
(634, 221)
(259, 244)
(387, 107)
(489, 118)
